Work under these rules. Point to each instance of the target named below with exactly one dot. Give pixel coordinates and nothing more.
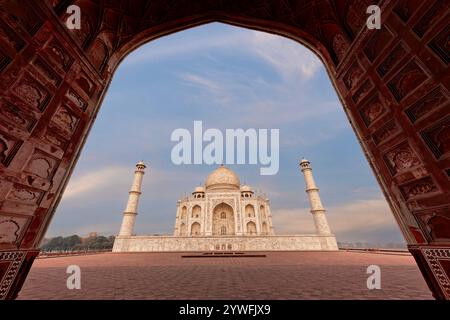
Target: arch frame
(416, 188)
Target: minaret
(129, 215)
(317, 210)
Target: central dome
(222, 178)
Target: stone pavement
(280, 275)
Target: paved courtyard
(280, 275)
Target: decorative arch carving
(249, 211)
(184, 213)
(195, 229)
(223, 220)
(99, 54)
(196, 211)
(183, 229)
(251, 228)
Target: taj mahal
(224, 215)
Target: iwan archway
(393, 84)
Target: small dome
(305, 164)
(199, 189)
(222, 178)
(246, 188)
(304, 161)
(141, 165)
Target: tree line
(76, 243)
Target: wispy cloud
(95, 181)
(201, 82)
(94, 200)
(288, 58)
(236, 87)
(359, 220)
(179, 46)
(100, 184)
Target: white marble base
(236, 243)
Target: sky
(228, 78)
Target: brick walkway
(281, 275)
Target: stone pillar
(129, 215)
(317, 210)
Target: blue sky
(227, 77)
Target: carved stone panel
(47, 71)
(406, 8)
(376, 44)
(32, 93)
(65, 121)
(418, 188)
(13, 115)
(362, 91)
(437, 137)
(430, 17)
(436, 222)
(340, 46)
(372, 110)
(55, 139)
(55, 3)
(4, 60)
(386, 132)
(355, 15)
(353, 76)
(408, 79)
(99, 54)
(41, 165)
(24, 15)
(401, 158)
(76, 99)
(56, 52)
(427, 104)
(86, 84)
(441, 44)
(394, 57)
(10, 37)
(24, 194)
(8, 148)
(11, 228)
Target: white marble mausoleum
(224, 215)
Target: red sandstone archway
(393, 84)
